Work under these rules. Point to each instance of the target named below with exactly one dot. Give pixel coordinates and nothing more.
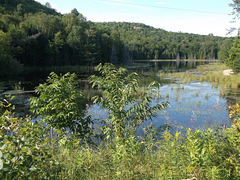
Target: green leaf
(6, 168)
(1, 164)
(33, 168)
(5, 155)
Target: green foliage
(201, 147)
(223, 52)
(120, 97)
(4, 53)
(23, 149)
(235, 5)
(38, 36)
(61, 105)
(174, 157)
(28, 6)
(146, 42)
(234, 56)
(28, 152)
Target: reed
(167, 97)
(199, 102)
(176, 97)
(206, 96)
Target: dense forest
(146, 42)
(34, 35)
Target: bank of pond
(194, 136)
(198, 93)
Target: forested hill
(25, 6)
(146, 42)
(36, 35)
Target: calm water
(195, 104)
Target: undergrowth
(35, 151)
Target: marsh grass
(199, 102)
(167, 97)
(176, 97)
(212, 73)
(195, 154)
(198, 154)
(206, 96)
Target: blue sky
(191, 16)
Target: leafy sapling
(120, 96)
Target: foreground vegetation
(53, 148)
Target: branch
(26, 40)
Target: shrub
(61, 105)
(23, 146)
(126, 106)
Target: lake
(193, 104)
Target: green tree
(120, 96)
(56, 46)
(61, 105)
(48, 5)
(235, 5)
(5, 55)
(75, 11)
(117, 48)
(223, 53)
(234, 56)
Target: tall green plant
(23, 146)
(126, 106)
(234, 56)
(61, 105)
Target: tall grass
(199, 155)
(212, 73)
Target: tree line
(46, 38)
(37, 36)
(146, 42)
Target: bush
(126, 106)
(23, 146)
(61, 105)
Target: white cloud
(161, 3)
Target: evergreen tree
(234, 56)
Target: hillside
(24, 6)
(146, 42)
(35, 35)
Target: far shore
(162, 60)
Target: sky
(187, 16)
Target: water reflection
(175, 65)
(193, 105)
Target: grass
(211, 73)
(198, 155)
